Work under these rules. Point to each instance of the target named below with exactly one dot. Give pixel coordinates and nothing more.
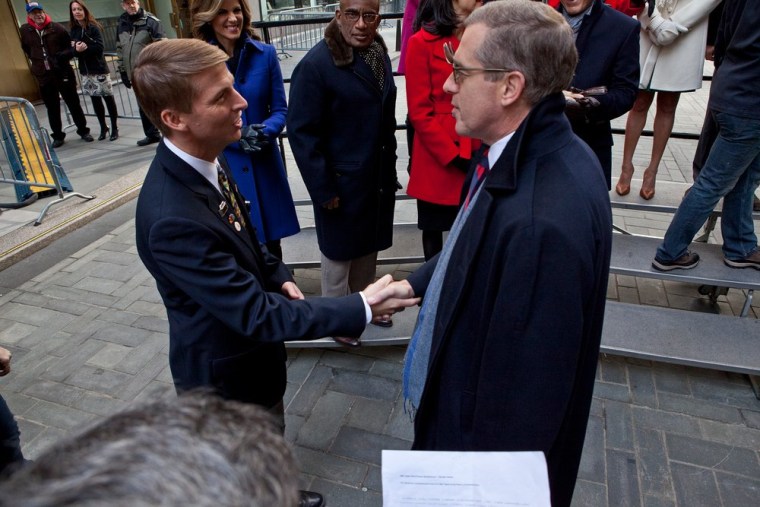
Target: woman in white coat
(673, 37)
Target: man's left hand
(5, 361)
(291, 290)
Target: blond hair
(163, 76)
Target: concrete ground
(89, 335)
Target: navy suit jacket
(227, 316)
(608, 55)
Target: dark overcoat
(341, 128)
(261, 177)
(608, 55)
(227, 316)
(52, 46)
(517, 330)
(91, 60)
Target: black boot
(114, 133)
(103, 133)
(310, 499)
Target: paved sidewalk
(89, 335)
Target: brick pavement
(89, 336)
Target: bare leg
(663, 126)
(637, 118)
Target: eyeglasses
(353, 16)
(461, 72)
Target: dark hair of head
(437, 17)
(89, 19)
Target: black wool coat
(608, 55)
(518, 325)
(341, 128)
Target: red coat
(623, 6)
(436, 143)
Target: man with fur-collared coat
(341, 128)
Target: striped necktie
(229, 196)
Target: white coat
(676, 67)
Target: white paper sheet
(466, 479)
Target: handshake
(386, 297)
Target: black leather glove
(125, 80)
(253, 139)
(462, 164)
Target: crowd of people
(51, 47)
(510, 106)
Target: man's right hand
(5, 361)
(386, 297)
(125, 80)
(333, 203)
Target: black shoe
(383, 323)
(57, 143)
(686, 261)
(311, 499)
(87, 138)
(103, 134)
(148, 140)
(114, 135)
(750, 261)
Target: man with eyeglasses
(504, 353)
(341, 128)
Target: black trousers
(148, 127)
(64, 84)
(10, 442)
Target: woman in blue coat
(258, 171)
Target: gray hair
(529, 37)
(197, 449)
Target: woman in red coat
(440, 157)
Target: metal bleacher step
(633, 255)
(722, 342)
(704, 340)
(667, 198)
(301, 251)
(398, 334)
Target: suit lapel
(186, 175)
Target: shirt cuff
(367, 309)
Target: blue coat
(341, 127)
(517, 332)
(608, 55)
(227, 316)
(261, 177)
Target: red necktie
(480, 175)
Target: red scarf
(35, 25)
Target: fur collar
(342, 53)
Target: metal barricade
(34, 169)
(301, 29)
